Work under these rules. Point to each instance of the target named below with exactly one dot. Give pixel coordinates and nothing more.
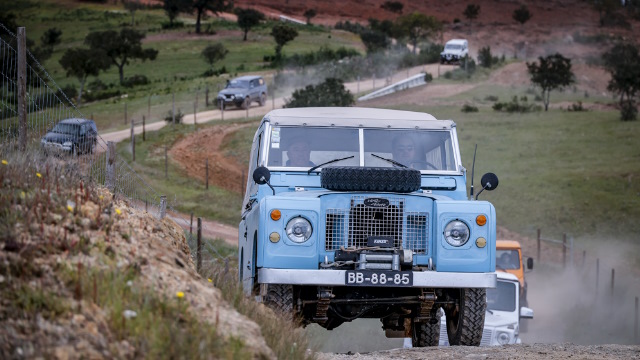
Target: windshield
(503, 297)
(307, 147)
(238, 84)
(68, 129)
(507, 259)
(453, 47)
(302, 147)
(417, 149)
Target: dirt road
(535, 351)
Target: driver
(405, 151)
(298, 153)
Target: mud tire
(465, 324)
(246, 103)
(354, 178)
(425, 333)
(263, 99)
(280, 299)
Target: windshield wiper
(490, 311)
(391, 161)
(328, 162)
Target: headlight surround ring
(457, 233)
(503, 338)
(299, 229)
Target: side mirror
(489, 181)
(529, 263)
(261, 175)
(526, 313)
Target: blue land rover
(363, 213)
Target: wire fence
(53, 125)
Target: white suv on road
(454, 50)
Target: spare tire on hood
(355, 178)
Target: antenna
(473, 168)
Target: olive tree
(623, 62)
(310, 13)
(120, 47)
(214, 53)
(248, 18)
(282, 34)
(552, 72)
(471, 12)
(83, 63)
(329, 93)
(214, 6)
(522, 14)
(416, 26)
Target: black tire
(263, 99)
(425, 333)
(466, 322)
(354, 178)
(246, 103)
(280, 299)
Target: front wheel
(280, 299)
(246, 103)
(263, 99)
(465, 321)
(425, 333)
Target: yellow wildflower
(210, 280)
(118, 212)
(5, 162)
(180, 294)
(38, 175)
(70, 208)
(22, 195)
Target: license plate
(378, 278)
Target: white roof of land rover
(355, 117)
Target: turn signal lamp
(481, 220)
(275, 215)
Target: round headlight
(456, 233)
(503, 338)
(299, 230)
(67, 143)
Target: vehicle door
(82, 138)
(253, 89)
(248, 227)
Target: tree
(416, 26)
(215, 6)
(132, 6)
(310, 13)
(393, 6)
(120, 48)
(329, 93)
(374, 40)
(174, 7)
(83, 63)
(214, 53)
(522, 14)
(471, 12)
(605, 8)
(248, 18)
(282, 33)
(623, 62)
(553, 72)
(51, 37)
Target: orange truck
(509, 260)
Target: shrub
(329, 93)
(576, 107)
(431, 54)
(169, 117)
(484, 57)
(428, 77)
(466, 108)
(491, 98)
(522, 106)
(135, 80)
(218, 72)
(174, 25)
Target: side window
(252, 187)
(252, 83)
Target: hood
(233, 91)
(58, 138)
(500, 318)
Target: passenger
(298, 153)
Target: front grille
(352, 227)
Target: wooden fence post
(166, 163)
(143, 130)
(538, 245)
(173, 108)
(110, 178)
(22, 88)
(206, 176)
(163, 206)
(206, 96)
(133, 142)
(191, 225)
(221, 110)
(564, 250)
(149, 109)
(199, 246)
(613, 276)
(195, 121)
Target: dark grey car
(242, 91)
(74, 136)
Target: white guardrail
(413, 81)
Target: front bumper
(421, 279)
(54, 148)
